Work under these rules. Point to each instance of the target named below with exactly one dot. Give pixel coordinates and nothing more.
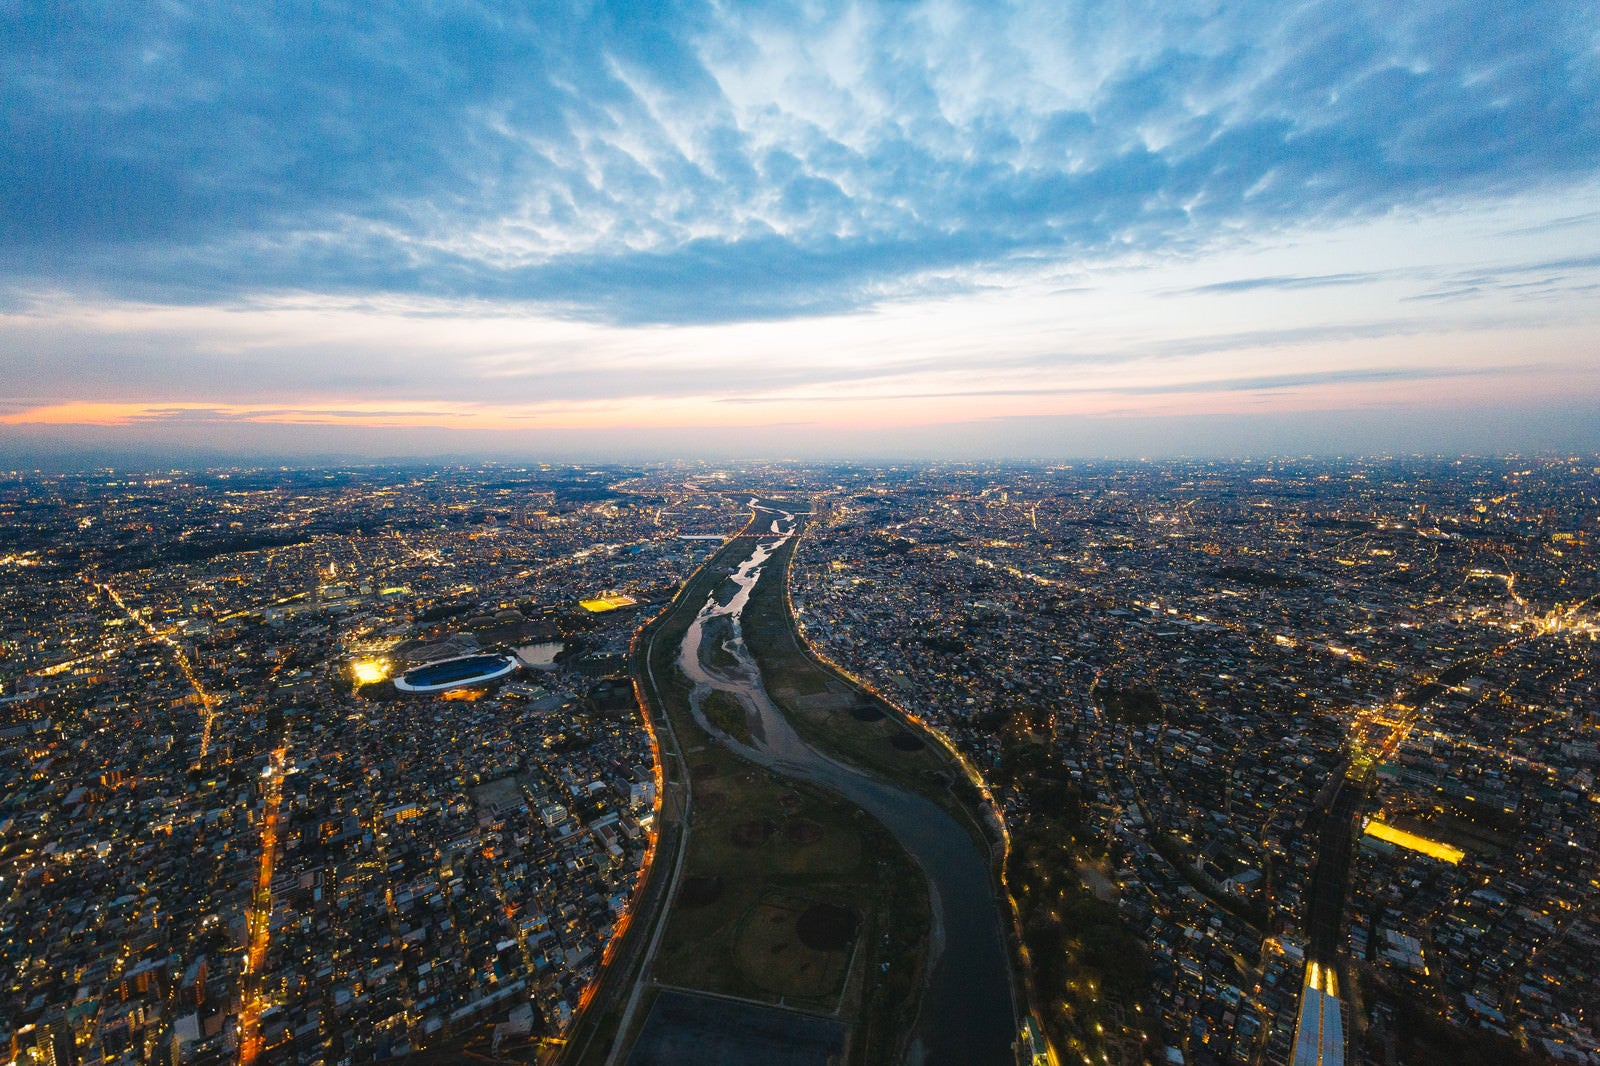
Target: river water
(968, 1017)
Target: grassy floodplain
(789, 894)
(835, 714)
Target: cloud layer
(704, 163)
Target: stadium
(461, 672)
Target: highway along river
(968, 1016)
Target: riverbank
(789, 896)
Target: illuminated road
(208, 703)
(260, 921)
(622, 980)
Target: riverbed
(968, 1016)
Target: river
(968, 1016)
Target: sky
(864, 230)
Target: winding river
(968, 1017)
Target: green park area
(1137, 705)
(793, 896)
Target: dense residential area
(1189, 663)
(218, 844)
(1259, 733)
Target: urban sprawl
(1259, 732)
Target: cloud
(1566, 274)
(1448, 294)
(681, 163)
(508, 415)
(1260, 383)
(1317, 281)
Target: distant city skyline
(866, 230)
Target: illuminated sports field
(370, 671)
(1412, 842)
(601, 604)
